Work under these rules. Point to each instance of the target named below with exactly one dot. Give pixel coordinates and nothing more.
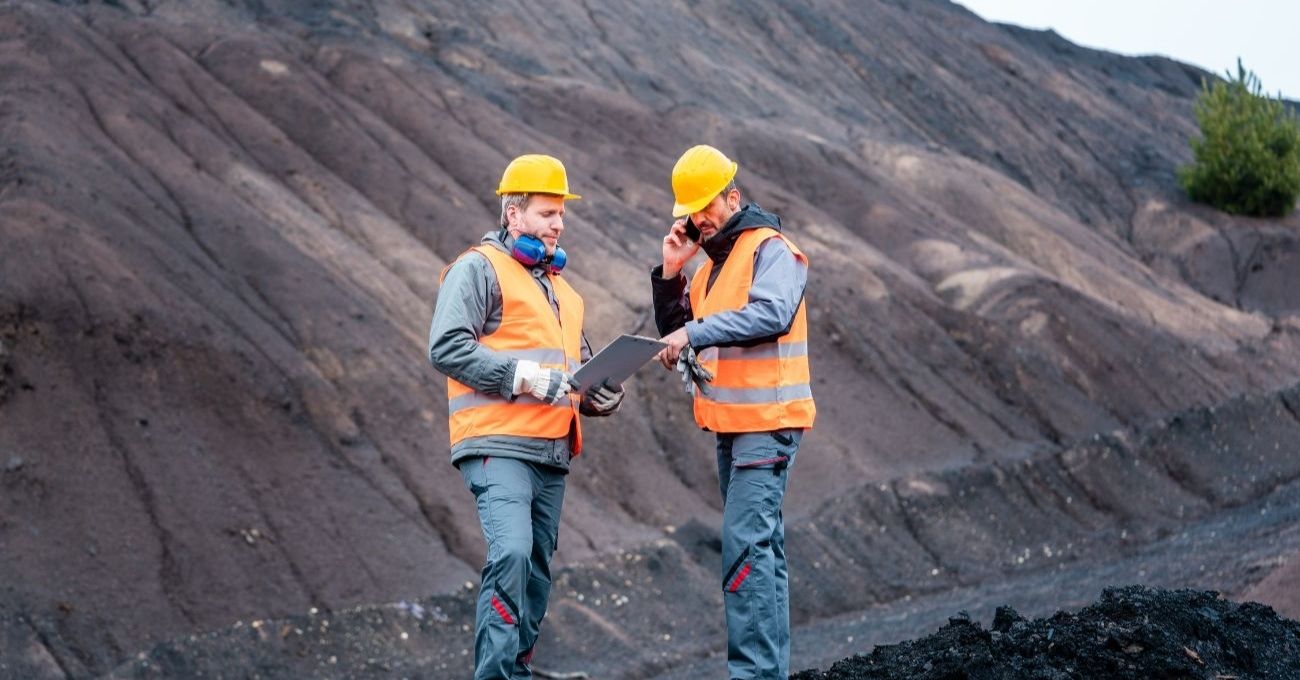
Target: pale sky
(1208, 33)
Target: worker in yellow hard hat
(738, 333)
(507, 333)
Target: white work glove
(605, 398)
(546, 384)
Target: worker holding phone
(738, 331)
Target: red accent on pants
(501, 609)
(740, 578)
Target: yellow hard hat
(700, 174)
(535, 173)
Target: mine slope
(222, 229)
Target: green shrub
(1247, 160)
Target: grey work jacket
(774, 294)
(469, 307)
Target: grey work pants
(752, 472)
(519, 509)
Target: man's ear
(733, 200)
(512, 217)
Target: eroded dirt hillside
(223, 223)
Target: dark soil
(1132, 632)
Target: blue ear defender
(530, 252)
(558, 260)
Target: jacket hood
(751, 216)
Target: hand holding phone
(679, 246)
(692, 231)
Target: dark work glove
(605, 398)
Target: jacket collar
(503, 241)
(751, 216)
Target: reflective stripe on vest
(528, 331)
(760, 388)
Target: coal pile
(1131, 632)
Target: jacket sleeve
(468, 296)
(774, 297)
(672, 300)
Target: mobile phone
(692, 231)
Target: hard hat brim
(684, 209)
(567, 197)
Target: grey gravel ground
(1227, 552)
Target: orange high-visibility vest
(528, 330)
(755, 389)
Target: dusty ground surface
(654, 612)
(1228, 551)
(223, 222)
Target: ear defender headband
(530, 252)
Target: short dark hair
(731, 186)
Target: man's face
(543, 218)
(714, 216)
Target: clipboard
(618, 361)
